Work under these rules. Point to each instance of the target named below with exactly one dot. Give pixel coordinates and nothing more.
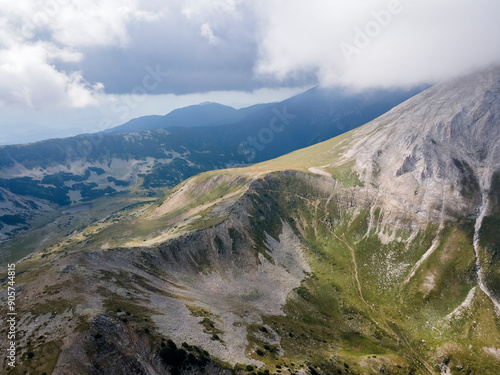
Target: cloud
(76, 23)
(97, 23)
(224, 15)
(207, 33)
(368, 43)
(69, 53)
(215, 10)
(27, 77)
(38, 36)
(205, 45)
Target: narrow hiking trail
(355, 264)
(360, 292)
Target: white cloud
(420, 41)
(35, 34)
(77, 23)
(211, 10)
(207, 33)
(214, 16)
(28, 77)
(94, 22)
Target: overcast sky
(76, 66)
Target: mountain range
(200, 115)
(159, 152)
(374, 252)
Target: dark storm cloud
(177, 47)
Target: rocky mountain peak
(441, 144)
